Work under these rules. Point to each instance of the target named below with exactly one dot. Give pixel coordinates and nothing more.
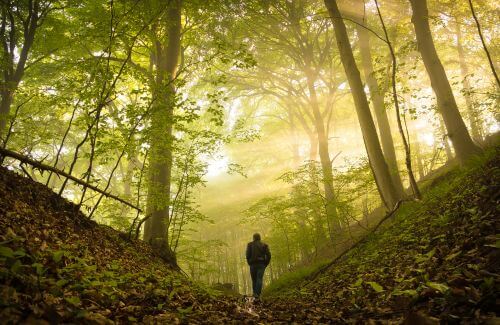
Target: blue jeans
(257, 274)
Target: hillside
(437, 259)
(58, 266)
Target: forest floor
(434, 260)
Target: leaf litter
(439, 263)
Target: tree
(19, 24)
(165, 59)
(455, 126)
(381, 171)
(379, 108)
(413, 182)
(464, 70)
(305, 48)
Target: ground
(434, 260)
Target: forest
(143, 143)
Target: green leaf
(409, 292)
(358, 283)
(19, 253)
(185, 310)
(452, 256)
(16, 266)
(74, 300)
(438, 286)
(375, 286)
(38, 268)
(61, 283)
(57, 256)
(6, 251)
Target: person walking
(258, 257)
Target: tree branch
(41, 166)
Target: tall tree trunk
(5, 103)
(294, 140)
(313, 147)
(464, 70)
(380, 169)
(13, 73)
(455, 126)
(160, 162)
(406, 145)
(324, 156)
(377, 98)
(418, 157)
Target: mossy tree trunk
(165, 58)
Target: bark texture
(12, 71)
(380, 169)
(166, 59)
(455, 126)
(379, 108)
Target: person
(258, 257)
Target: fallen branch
(359, 242)
(41, 166)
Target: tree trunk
(485, 48)
(455, 126)
(377, 98)
(313, 149)
(5, 103)
(444, 140)
(380, 169)
(324, 156)
(464, 70)
(13, 73)
(161, 138)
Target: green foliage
(291, 281)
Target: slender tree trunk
(406, 145)
(13, 73)
(464, 70)
(486, 51)
(418, 152)
(295, 140)
(313, 147)
(377, 98)
(455, 126)
(380, 169)
(160, 163)
(324, 156)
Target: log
(41, 166)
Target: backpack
(258, 253)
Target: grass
(291, 280)
(433, 191)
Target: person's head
(256, 236)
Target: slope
(58, 266)
(436, 260)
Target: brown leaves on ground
(439, 263)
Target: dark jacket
(258, 253)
